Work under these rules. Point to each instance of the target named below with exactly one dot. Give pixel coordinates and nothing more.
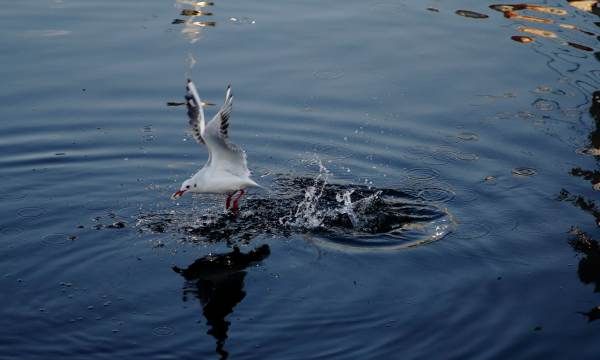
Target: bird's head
(185, 186)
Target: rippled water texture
(430, 175)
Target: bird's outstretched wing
(223, 155)
(195, 111)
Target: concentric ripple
(163, 331)
(437, 194)
(30, 212)
(55, 240)
(524, 171)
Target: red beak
(177, 194)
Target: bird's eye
(187, 187)
(194, 185)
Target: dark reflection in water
(588, 269)
(471, 14)
(217, 281)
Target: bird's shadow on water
(217, 281)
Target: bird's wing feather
(195, 112)
(224, 154)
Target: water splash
(308, 213)
(350, 217)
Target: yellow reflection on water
(538, 32)
(585, 5)
(192, 26)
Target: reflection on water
(588, 269)
(217, 281)
(192, 25)
(513, 12)
(471, 14)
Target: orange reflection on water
(516, 16)
(538, 8)
(522, 39)
(546, 9)
(538, 32)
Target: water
(432, 173)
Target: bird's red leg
(228, 201)
(235, 201)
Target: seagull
(226, 171)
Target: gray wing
(195, 111)
(224, 155)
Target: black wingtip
(189, 80)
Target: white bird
(226, 171)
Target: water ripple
(30, 212)
(163, 331)
(56, 240)
(524, 171)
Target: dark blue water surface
(432, 181)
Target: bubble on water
(30, 212)
(163, 331)
(55, 240)
(524, 171)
